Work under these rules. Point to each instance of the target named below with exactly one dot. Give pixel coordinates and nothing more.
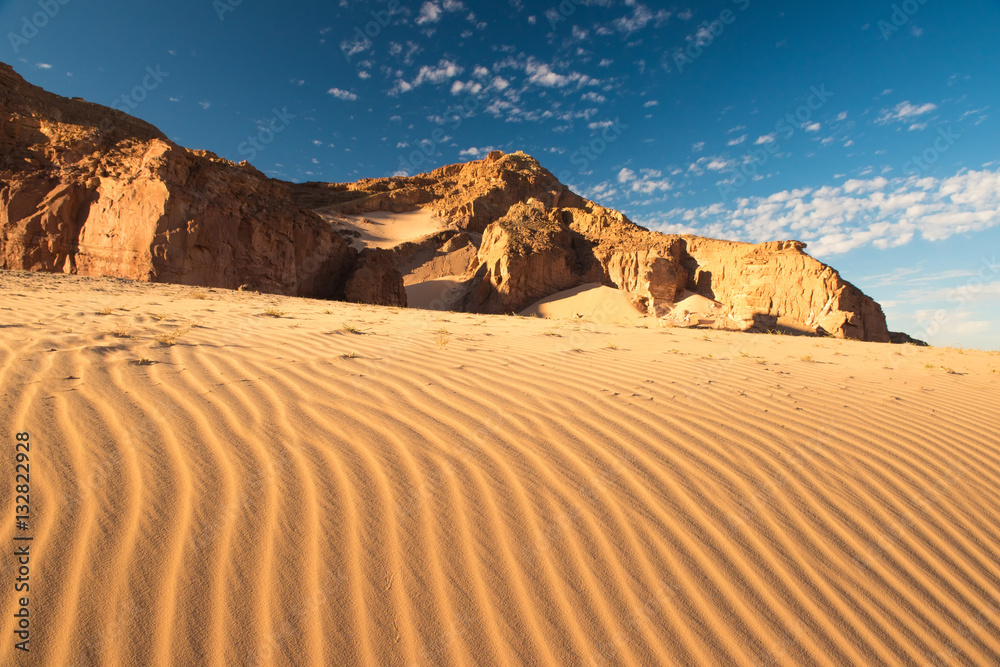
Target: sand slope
(590, 301)
(384, 229)
(440, 488)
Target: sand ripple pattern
(440, 496)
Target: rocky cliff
(90, 190)
(533, 237)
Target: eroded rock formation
(88, 189)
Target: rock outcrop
(89, 190)
(539, 238)
(524, 256)
(376, 280)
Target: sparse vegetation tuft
(122, 331)
(169, 339)
(271, 311)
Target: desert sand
(383, 229)
(227, 478)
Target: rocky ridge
(90, 190)
(533, 237)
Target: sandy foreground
(356, 485)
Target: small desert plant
(552, 333)
(349, 355)
(950, 371)
(122, 331)
(198, 295)
(807, 357)
(143, 361)
(169, 339)
(271, 311)
(929, 367)
(354, 330)
(612, 346)
(159, 317)
(104, 311)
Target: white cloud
(651, 103)
(765, 139)
(737, 141)
(345, 95)
(814, 127)
(43, 66)
(878, 212)
(904, 111)
(474, 152)
(443, 71)
(698, 147)
(543, 75)
(469, 87)
(593, 97)
(650, 182)
(641, 17)
(430, 12)
(719, 164)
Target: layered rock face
(90, 190)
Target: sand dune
(590, 301)
(384, 229)
(440, 488)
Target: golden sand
(341, 484)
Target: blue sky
(867, 129)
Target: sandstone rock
(376, 280)
(900, 338)
(524, 257)
(779, 280)
(90, 190)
